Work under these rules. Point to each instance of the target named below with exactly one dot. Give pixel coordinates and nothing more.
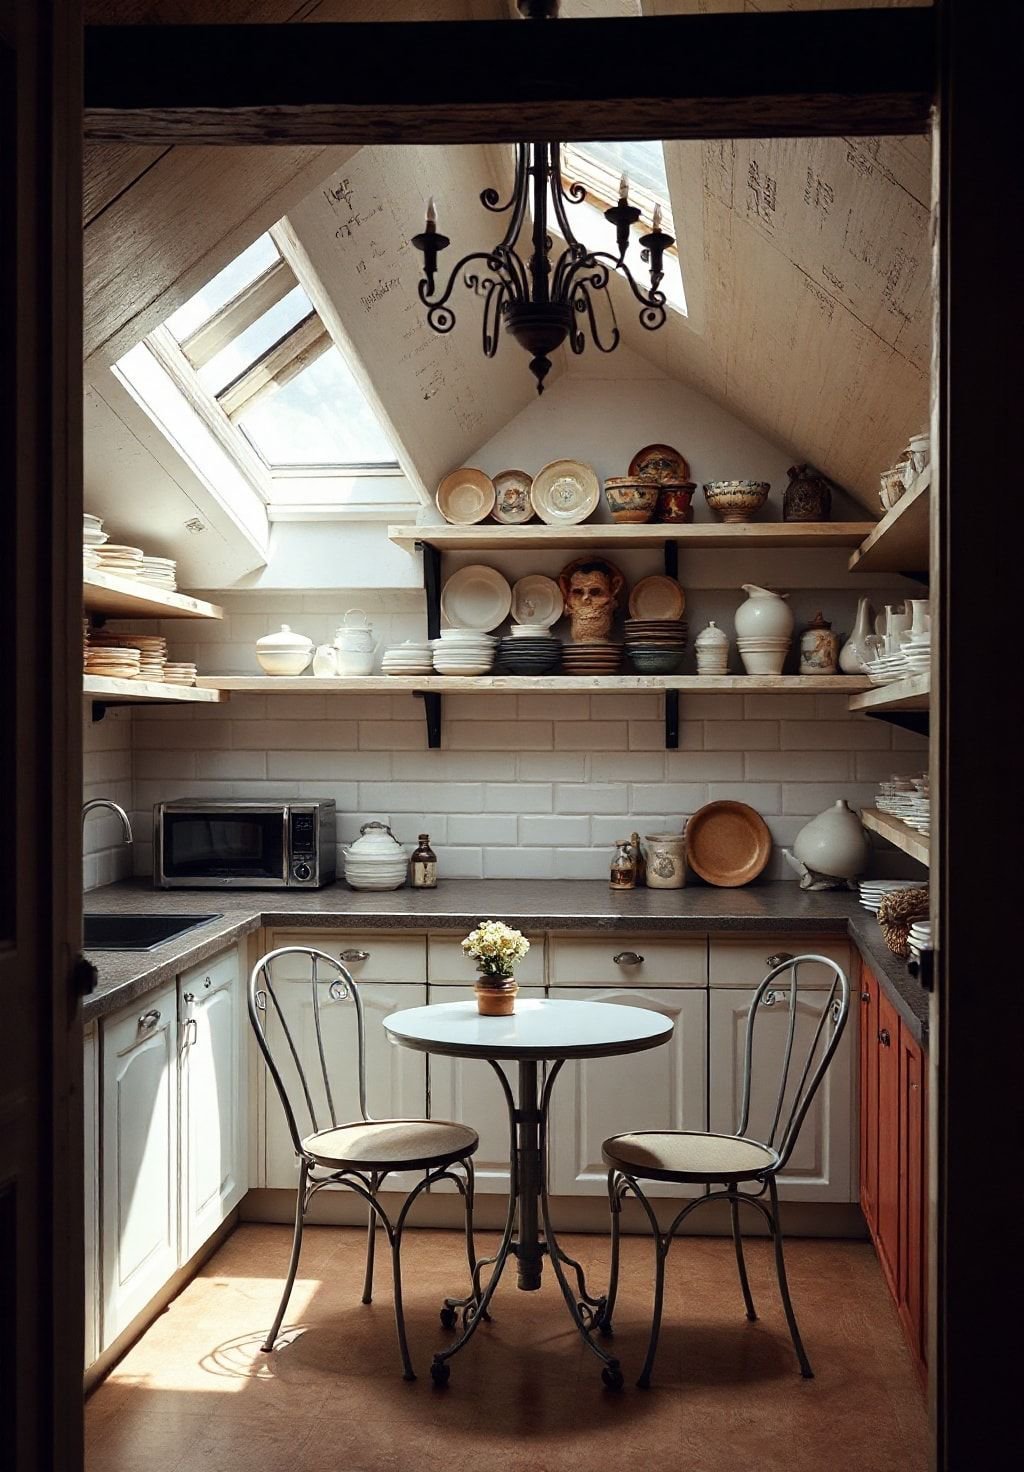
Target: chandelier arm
(560, 196)
(652, 303)
(439, 315)
(518, 202)
(510, 262)
(496, 294)
(582, 301)
(489, 197)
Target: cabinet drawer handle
(779, 959)
(188, 997)
(628, 958)
(149, 1019)
(349, 956)
(884, 1038)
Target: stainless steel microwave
(243, 845)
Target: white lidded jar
(764, 613)
(284, 653)
(833, 843)
(376, 860)
(712, 646)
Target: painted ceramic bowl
(675, 501)
(652, 661)
(736, 500)
(630, 500)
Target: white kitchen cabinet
(139, 1195)
(735, 961)
(396, 1078)
(214, 1096)
(821, 1167)
(628, 960)
(91, 1233)
(662, 1088)
(467, 1090)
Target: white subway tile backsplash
(848, 735)
(591, 736)
(798, 766)
(459, 707)
(639, 766)
(245, 765)
(555, 766)
(410, 797)
(583, 863)
(521, 863)
(454, 766)
(460, 863)
(393, 735)
(607, 831)
(742, 735)
(814, 797)
(593, 798)
(298, 734)
(493, 829)
(667, 797)
(628, 705)
(704, 766)
(554, 705)
(554, 831)
(497, 735)
(763, 797)
(767, 705)
(178, 763)
(519, 797)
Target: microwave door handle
(286, 867)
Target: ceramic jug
(764, 613)
(808, 497)
(324, 661)
(854, 655)
(354, 644)
(665, 855)
(833, 845)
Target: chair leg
(605, 1325)
(408, 1373)
(371, 1245)
(734, 1211)
(300, 1210)
(470, 1195)
(661, 1246)
(780, 1268)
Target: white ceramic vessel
(376, 860)
(665, 854)
(854, 655)
(284, 653)
(764, 613)
(834, 843)
(712, 646)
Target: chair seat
(688, 1155)
(392, 1144)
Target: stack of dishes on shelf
(414, 657)
(873, 891)
(124, 562)
(908, 799)
(920, 937)
(655, 646)
(152, 649)
(464, 652)
(93, 537)
(113, 662)
(764, 654)
(537, 601)
(591, 659)
(161, 572)
(476, 598)
(180, 673)
(530, 649)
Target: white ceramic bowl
(283, 661)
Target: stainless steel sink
(137, 932)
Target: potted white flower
(497, 950)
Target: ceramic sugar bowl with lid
(284, 653)
(376, 860)
(712, 646)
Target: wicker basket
(897, 912)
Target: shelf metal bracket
(907, 720)
(432, 588)
(671, 551)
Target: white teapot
(354, 644)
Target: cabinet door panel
(746, 962)
(664, 1088)
(396, 1078)
(911, 1301)
(214, 1097)
(90, 1121)
(448, 964)
(888, 1213)
(821, 1165)
(592, 961)
(465, 1089)
(868, 1006)
(368, 955)
(140, 1157)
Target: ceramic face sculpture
(591, 588)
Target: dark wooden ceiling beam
(694, 76)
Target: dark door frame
(795, 75)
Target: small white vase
(854, 655)
(764, 612)
(919, 608)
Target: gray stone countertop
(457, 904)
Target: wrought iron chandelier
(543, 301)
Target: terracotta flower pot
(496, 996)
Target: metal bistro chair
(729, 1161)
(359, 1155)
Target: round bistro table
(539, 1031)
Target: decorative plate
(657, 597)
(476, 597)
(537, 600)
(465, 496)
(566, 492)
(512, 502)
(727, 843)
(659, 463)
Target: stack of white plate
(884, 669)
(874, 891)
(114, 662)
(917, 653)
(179, 673)
(414, 657)
(126, 562)
(93, 537)
(464, 652)
(160, 571)
(920, 937)
(152, 650)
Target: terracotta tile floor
(195, 1393)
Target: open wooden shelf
(912, 693)
(899, 542)
(114, 597)
(102, 687)
(893, 831)
(529, 684)
(489, 536)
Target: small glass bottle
(639, 862)
(423, 865)
(623, 871)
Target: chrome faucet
(115, 807)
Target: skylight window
(318, 417)
(643, 161)
(227, 284)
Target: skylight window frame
(601, 184)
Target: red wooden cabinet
(893, 1155)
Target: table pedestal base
(528, 1235)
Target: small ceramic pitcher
(665, 854)
(355, 647)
